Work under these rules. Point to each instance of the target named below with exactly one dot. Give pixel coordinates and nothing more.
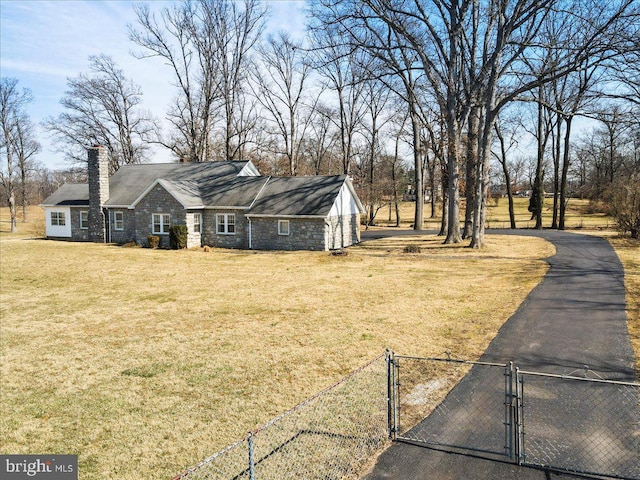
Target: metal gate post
(391, 395)
(508, 412)
(519, 419)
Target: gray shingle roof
(69, 194)
(214, 184)
(232, 192)
(130, 181)
(312, 196)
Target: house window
(118, 221)
(226, 223)
(84, 220)
(197, 223)
(161, 223)
(57, 219)
(283, 227)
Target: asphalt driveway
(574, 318)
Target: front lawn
(144, 362)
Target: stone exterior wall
(98, 172)
(128, 234)
(77, 233)
(239, 239)
(343, 231)
(158, 200)
(304, 234)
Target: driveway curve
(574, 318)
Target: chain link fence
(329, 436)
(581, 425)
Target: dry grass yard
(144, 362)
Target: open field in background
(144, 362)
(579, 215)
(33, 227)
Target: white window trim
(115, 221)
(199, 223)
(283, 231)
(58, 215)
(222, 228)
(84, 225)
(162, 223)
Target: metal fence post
(395, 370)
(252, 473)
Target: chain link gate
(561, 422)
(580, 425)
(437, 402)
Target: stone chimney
(98, 171)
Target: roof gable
(226, 192)
(131, 182)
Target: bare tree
(322, 143)
(512, 63)
(377, 99)
(102, 108)
(570, 95)
(207, 46)
(341, 67)
(280, 88)
(395, 65)
(16, 145)
(26, 146)
(233, 28)
(395, 164)
(505, 144)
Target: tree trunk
(507, 177)
(394, 180)
(482, 180)
(12, 211)
(444, 222)
(453, 167)
(418, 218)
(565, 172)
(472, 160)
(556, 172)
(23, 186)
(538, 183)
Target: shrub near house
(225, 204)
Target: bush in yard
(153, 241)
(623, 204)
(178, 236)
(412, 248)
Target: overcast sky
(43, 42)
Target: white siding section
(249, 170)
(344, 204)
(63, 231)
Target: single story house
(223, 204)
